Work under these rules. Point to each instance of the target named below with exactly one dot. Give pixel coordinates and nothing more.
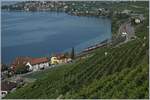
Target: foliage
(72, 55)
(20, 69)
(4, 67)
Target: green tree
(72, 55)
(20, 69)
(4, 67)
(66, 54)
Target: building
(138, 18)
(60, 59)
(37, 63)
(33, 63)
(6, 87)
(54, 60)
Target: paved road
(128, 28)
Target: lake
(39, 34)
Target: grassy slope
(123, 73)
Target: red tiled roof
(60, 56)
(24, 60)
(38, 60)
(20, 60)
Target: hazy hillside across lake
(43, 33)
(6, 2)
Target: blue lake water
(39, 34)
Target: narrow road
(127, 28)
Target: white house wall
(35, 67)
(41, 65)
(30, 66)
(3, 93)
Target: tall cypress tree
(72, 55)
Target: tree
(72, 55)
(66, 54)
(20, 69)
(4, 67)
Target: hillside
(123, 73)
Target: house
(54, 60)
(33, 63)
(37, 63)
(60, 59)
(139, 19)
(6, 87)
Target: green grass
(37, 75)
